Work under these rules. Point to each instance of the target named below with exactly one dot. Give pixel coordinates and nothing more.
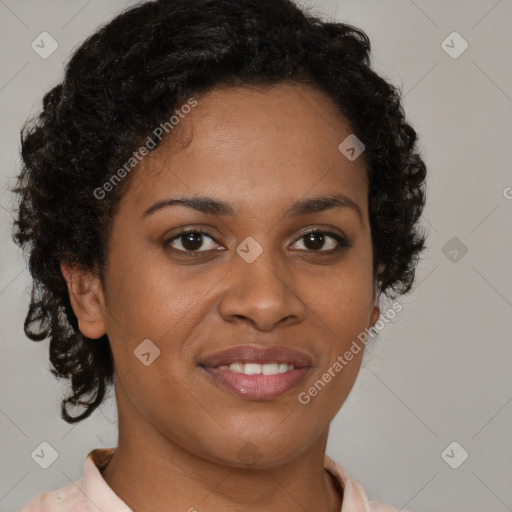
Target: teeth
(269, 368)
(252, 369)
(237, 367)
(283, 367)
(257, 369)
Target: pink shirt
(91, 493)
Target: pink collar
(91, 493)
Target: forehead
(253, 145)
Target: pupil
(311, 238)
(190, 244)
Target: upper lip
(255, 354)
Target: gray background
(440, 373)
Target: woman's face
(256, 276)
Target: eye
(191, 240)
(316, 239)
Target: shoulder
(64, 499)
(74, 496)
(354, 495)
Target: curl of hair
(125, 80)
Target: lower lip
(256, 386)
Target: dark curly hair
(125, 80)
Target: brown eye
(318, 240)
(314, 241)
(191, 241)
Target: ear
(86, 296)
(375, 314)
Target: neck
(150, 473)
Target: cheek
(162, 303)
(342, 312)
(342, 298)
(147, 296)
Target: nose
(261, 293)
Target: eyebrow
(213, 206)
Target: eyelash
(343, 242)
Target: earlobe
(375, 315)
(375, 309)
(86, 298)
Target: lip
(256, 387)
(255, 354)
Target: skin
(259, 149)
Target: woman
(215, 199)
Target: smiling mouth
(258, 369)
(257, 372)
(256, 381)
